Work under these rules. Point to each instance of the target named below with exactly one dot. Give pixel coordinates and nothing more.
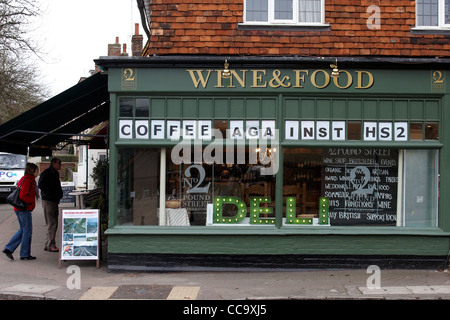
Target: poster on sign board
(80, 235)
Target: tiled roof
(212, 27)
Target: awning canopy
(58, 119)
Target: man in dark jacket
(51, 193)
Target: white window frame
(441, 18)
(283, 21)
(295, 17)
(441, 13)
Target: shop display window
(190, 186)
(362, 187)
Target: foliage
(101, 204)
(100, 176)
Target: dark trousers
(51, 212)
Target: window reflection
(189, 187)
(302, 180)
(431, 131)
(416, 131)
(354, 130)
(126, 107)
(137, 186)
(142, 107)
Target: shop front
(275, 165)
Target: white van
(12, 168)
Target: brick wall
(211, 27)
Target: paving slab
(183, 293)
(98, 293)
(142, 292)
(384, 290)
(30, 288)
(429, 289)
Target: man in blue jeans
(51, 194)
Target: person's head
(31, 169)
(56, 163)
(225, 175)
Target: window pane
(222, 126)
(256, 10)
(361, 186)
(137, 186)
(354, 130)
(427, 12)
(195, 181)
(310, 10)
(248, 183)
(195, 185)
(142, 107)
(126, 107)
(283, 10)
(188, 188)
(447, 12)
(421, 188)
(245, 183)
(10, 161)
(431, 131)
(302, 181)
(416, 131)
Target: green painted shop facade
(277, 165)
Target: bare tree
(20, 86)
(15, 21)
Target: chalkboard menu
(361, 185)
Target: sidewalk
(42, 279)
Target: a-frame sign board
(80, 235)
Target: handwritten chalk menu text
(361, 185)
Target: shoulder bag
(14, 200)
